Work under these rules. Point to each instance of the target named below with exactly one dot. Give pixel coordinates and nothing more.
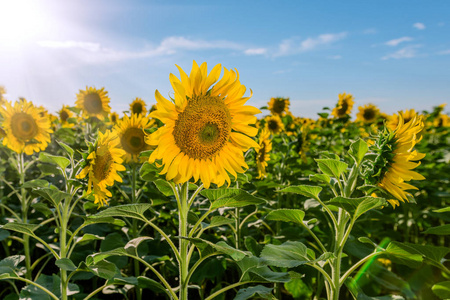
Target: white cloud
(406, 52)
(93, 47)
(256, 51)
(370, 31)
(395, 42)
(419, 26)
(445, 52)
(294, 45)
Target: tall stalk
(184, 243)
(24, 206)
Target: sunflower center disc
(273, 125)
(369, 114)
(64, 116)
(102, 166)
(262, 152)
(23, 126)
(203, 128)
(137, 108)
(342, 110)
(133, 141)
(93, 104)
(279, 106)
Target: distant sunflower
(368, 113)
(138, 106)
(262, 153)
(344, 105)
(103, 162)
(64, 115)
(132, 136)
(279, 106)
(26, 130)
(2, 92)
(274, 124)
(93, 103)
(407, 115)
(442, 120)
(396, 159)
(206, 129)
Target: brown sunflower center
(342, 109)
(114, 118)
(133, 140)
(103, 165)
(279, 106)
(262, 152)
(273, 125)
(369, 114)
(203, 128)
(23, 126)
(64, 115)
(93, 103)
(137, 108)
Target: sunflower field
(204, 196)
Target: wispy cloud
(295, 45)
(93, 47)
(370, 31)
(395, 42)
(406, 52)
(445, 52)
(255, 51)
(419, 26)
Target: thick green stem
(24, 204)
(184, 243)
(135, 231)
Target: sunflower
(138, 106)
(279, 106)
(64, 115)
(441, 120)
(274, 124)
(26, 130)
(396, 159)
(344, 105)
(103, 162)
(407, 115)
(368, 113)
(2, 92)
(93, 103)
(132, 136)
(262, 154)
(206, 129)
(114, 118)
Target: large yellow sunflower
(26, 130)
(394, 120)
(138, 106)
(279, 106)
(206, 127)
(102, 164)
(64, 115)
(396, 159)
(344, 105)
(132, 136)
(368, 113)
(93, 103)
(274, 124)
(262, 154)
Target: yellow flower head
(132, 136)
(368, 113)
(274, 124)
(103, 162)
(344, 105)
(279, 106)
(394, 120)
(26, 129)
(442, 121)
(396, 159)
(138, 106)
(64, 115)
(2, 92)
(114, 118)
(262, 153)
(206, 127)
(93, 103)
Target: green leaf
(404, 254)
(10, 263)
(20, 227)
(357, 150)
(439, 230)
(65, 264)
(60, 161)
(289, 254)
(97, 220)
(445, 209)
(37, 183)
(148, 283)
(260, 290)
(4, 234)
(287, 215)
(164, 187)
(135, 211)
(332, 167)
(219, 221)
(104, 269)
(252, 245)
(52, 283)
(442, 289)
(431, 254)
(221, 247)
(358, 294)
(305, 190)
(131, 246)
(68, 149)
(357, 206)
(252, 271)
(88, 237)
(149, 172)
(53, 195)
(320, 178)
(241, 199)
(214, 194)
(97, 257)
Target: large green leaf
(51, 283)
(10, 263)
(289, 254)
(221, 247)
(66, 264)
(60, 161)
(135, 211)
(320, 178)
(148, 283)
(218, 221)
(287, 215)
(251, 270)
(104, 269)
(431, 254)
(131, 246)
(332, 167)
(439, 230)
(214, 194)
(164, 187)
(442, 289)
(260, 290)
(404, 254)
(357, 150)
(53, 195)
(241, 199)
(149, 172)
(67, 148)
(20, 227)
(305, 190)
(97, 257)
(37, 183)
(358, 294)
(357, 206)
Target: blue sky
(395, 54)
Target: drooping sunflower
(274, 124)
(64, 115)
(344, 105)
(279, 106)
(262, 154)
(93, 103)
(102, 163)
(206, 127)
(394, 120)
(396, 159)
(138, 106)
(26, 130)
(368, 113)
(132, 136)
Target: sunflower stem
(184, 243)
(24, 204)
(135, 232)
